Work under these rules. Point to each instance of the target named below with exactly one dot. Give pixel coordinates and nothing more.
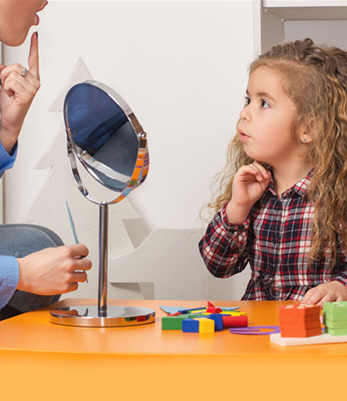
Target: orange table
(52, 362)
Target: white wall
(182, 67)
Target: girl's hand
(53, 270)
(16, 95)
(249, 185)
(329, 292)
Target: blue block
(192, 310)
(190, 326)
(218, 321)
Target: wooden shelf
(307, 9)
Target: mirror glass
(106, 137)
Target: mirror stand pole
(100, 315)
(103, 259)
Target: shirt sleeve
(341, 278)
(9, 275)
(341, 271)
(9, 270)
(224, 247)
(7, 159)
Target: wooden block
(190, 325)
(333, 324)
(299, 310)
(234, 313)
(335, 308)
(205, 325)
(235, 321)
(336, 332)
(334, 318)
(213, 309)
(226, 312)
(172, 322)
(314, 324)
(298, 319)
(175, 322)
(301, 333)
(218, 321)
(191, 312)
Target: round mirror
(107, 139)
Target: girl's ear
(307, 132)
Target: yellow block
(206, 325)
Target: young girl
(282, 205)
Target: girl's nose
(245, 115)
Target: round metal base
(88, 316)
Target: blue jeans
(19, 240)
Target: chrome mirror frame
(142, 163)
(104, 315)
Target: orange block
(301, 333)
(314, 324)
(299, 310)
(300, 320)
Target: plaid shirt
(275, 240)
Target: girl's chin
(255, 157)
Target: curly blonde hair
(315, 79)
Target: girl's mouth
(243, 136)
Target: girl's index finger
(2, 66)
(33, 59)
(265, 174)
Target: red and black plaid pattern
(275, 241)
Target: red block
(212, 309)
(235, 321)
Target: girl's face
(16, 18)
(266, 121)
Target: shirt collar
(301, 187)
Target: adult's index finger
(33, 59)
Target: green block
(335, 308)
(335, 324)
(334, 318)
(175, 322)
(336, 332)
(172, 322)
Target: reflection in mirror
(103, 136)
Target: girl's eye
(247, 100)
(264, 104)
